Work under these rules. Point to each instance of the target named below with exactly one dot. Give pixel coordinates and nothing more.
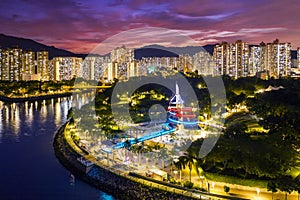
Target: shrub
(188, 184)
(226, 189)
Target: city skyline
(234, 59)
(79, 27)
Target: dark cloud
(80, 25)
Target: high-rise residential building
(203, 63)
(111, 72)
(295, 65)
(221, 58)
(257, 59)
(121, 60)
(236, 60)
(284, 59)
(11, 64)
(93, 67)
(51, 68)
(101, 64)
(241, 59)
(232, 59)
(185, 63)
(28, 64)
(132, 71)
(88, 68)
(42, 66)
(298, 57)
(66, 68)
(122, 55)
(278, 59)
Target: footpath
(119, 183)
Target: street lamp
(257, 192)
(175, 172)
(202, 179)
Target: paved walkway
(236, 191)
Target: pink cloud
(79, 26)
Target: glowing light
(182, 122)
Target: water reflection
(57, 112)
(44, 177)
(31, 118)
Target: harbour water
(28, 166)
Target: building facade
(240, 60)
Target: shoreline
(34, 98)
(118, 184)
(109, 182)
(39, 98)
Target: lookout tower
(178, 115)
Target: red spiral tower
(178, 115)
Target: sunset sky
(79, 26)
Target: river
(28, 166)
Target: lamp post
(257, 192)
(202, 179)
(175, 172)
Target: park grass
(244, 117)
(294, 172)
(235, 180)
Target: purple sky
(79, 26)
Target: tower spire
(176, 99)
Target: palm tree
(143, 149)
(127, 144)
(179, 163)
(190, 160)
(149, 150)
(156, 146)
(162, 154)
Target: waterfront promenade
(109, 178)
(118, 182)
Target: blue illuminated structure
(177, 115)
(145, 137)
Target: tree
(297, 185)
(136, 148)
(272, 186)
(286, 184)
(189, 161)
(162, 154)
(226, 188)
(236, 129)
(179, 163)
(127, 144)
(70, 113)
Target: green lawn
(235, 180)
(244, 117)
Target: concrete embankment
(121, 187)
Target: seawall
(119, 186)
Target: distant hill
(152, 52)
(28, 44)
(146, 51)
(162, 51)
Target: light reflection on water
(31, 118)
(29, 168)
